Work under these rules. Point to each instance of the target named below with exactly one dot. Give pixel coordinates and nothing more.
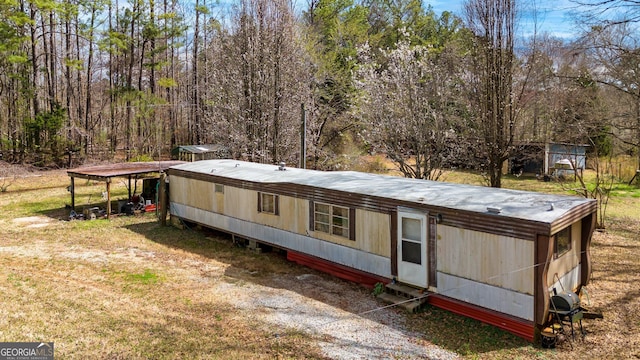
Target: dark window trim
(276, 203)
(557, 253)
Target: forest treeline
(100, 79)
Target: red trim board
(522, 328)
(337, 270)
(518, 327)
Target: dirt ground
(129, 288)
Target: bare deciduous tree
(255, 88)
(615, 53)
(409, 108)
(492, 23)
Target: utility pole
(303, 137)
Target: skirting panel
(491, 297)
(343, 255)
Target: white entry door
(412, 248)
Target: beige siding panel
(496, 260)
(289, 211)
(196, 193)
(202, 194)
(372, 228)
(372, 232)
(243, 204)
(569, 260)
(240, 203)
(219, 203)
(177, 189)
(301, 217)
(566, 282)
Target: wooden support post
(129, 199)
(162, 199)
(72, 189)
(108, 198)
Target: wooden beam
(88, 177)
(162, 199)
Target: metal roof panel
(519, 204)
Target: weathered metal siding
(486, 258)
(569, 260)
(351, 257)
(492, 271)
(197, 193)
(491, 297)
(219, 203)
(567, 282)
(372, 232)
(372, 228)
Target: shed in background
(199, 152)
(541, 158)
(556, 153)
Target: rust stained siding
(495, 224)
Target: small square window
(268, 203)
(563, 242)
(219, 188)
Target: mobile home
(492, 254)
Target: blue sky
(553, 16)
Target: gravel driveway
(341, 316)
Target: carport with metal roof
(105, 173)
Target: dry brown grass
(123, 289)
(129, 288)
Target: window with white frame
(332, 219)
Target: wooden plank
(410, 305)
(404, 289)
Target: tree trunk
(195, 130)
(89, 79)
